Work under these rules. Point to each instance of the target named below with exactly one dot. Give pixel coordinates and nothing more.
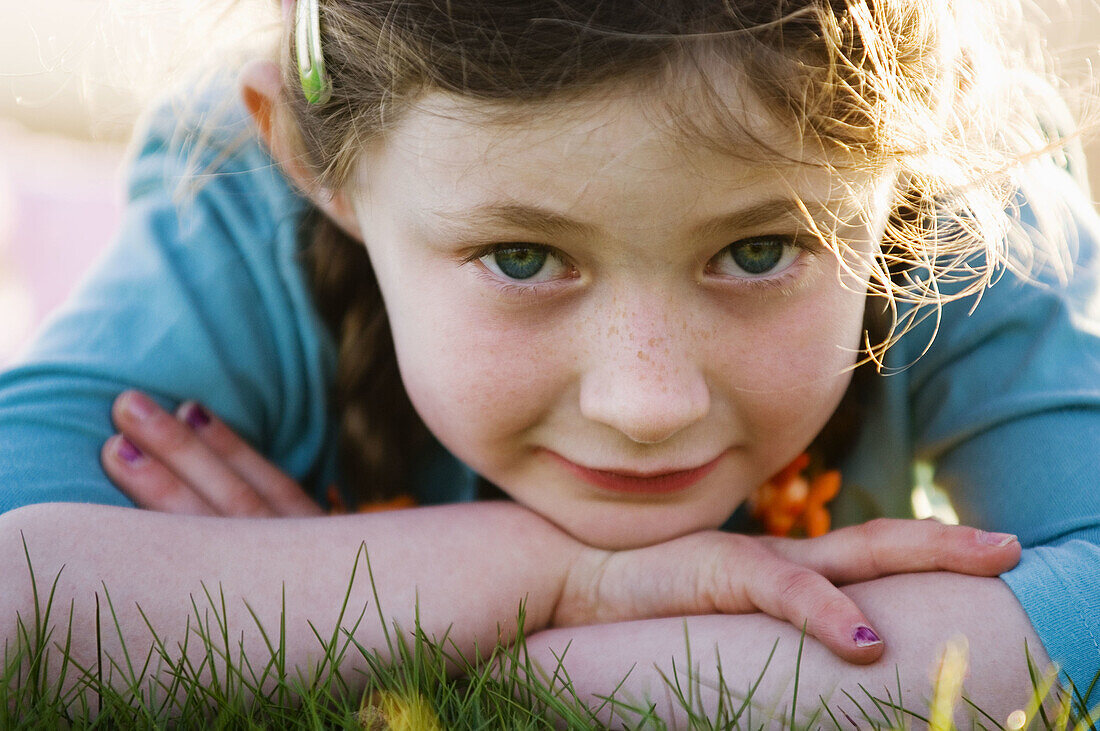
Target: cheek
(790, 381)
(822, 337)
(476, 382)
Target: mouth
(654, 483)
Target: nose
(646, 385)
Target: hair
(935, 89)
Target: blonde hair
(950, 94)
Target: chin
(620, 535)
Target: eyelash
(780, 282)
(514, 289)
(783, 280)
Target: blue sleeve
(202, 300)
(1006, 404)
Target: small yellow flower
(947, 689)
(391, 711)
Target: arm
(461, 570)
(467, 567)
(918, 612)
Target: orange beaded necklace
(792, 504)
(339, 507)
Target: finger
(147, 482)
(162, 436)
(283, 494)
(806, 599)
(705, 573)
(894, 546)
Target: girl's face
(582, 303)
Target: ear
(260, 85)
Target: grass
(218, 687)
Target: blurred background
(75, 73)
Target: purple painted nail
(129, 451)
(196, 416)
(865, 637)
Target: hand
(192, 463)
(791, 579)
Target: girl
(621, 260)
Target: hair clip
(307, 41)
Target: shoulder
(201, 296)
(209, 213)
(1027, 344)
(201, 151)
(1057, 230)
(1052, 240)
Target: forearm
(465, 568)
(916, 614)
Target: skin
(645, 350)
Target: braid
(379, 432)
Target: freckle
(642, 355)
(654, 342)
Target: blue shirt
(207, 300)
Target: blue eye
(520, 262)
(757, 257)
(524, 262)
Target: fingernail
(139, 406)
(196, 416)
(864, 636)
(995, 539)
(129, 451)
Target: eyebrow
(552, 224)
(775, 210)
(516, 215)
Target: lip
(653, 483)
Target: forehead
(682, 112)
(617, 145)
